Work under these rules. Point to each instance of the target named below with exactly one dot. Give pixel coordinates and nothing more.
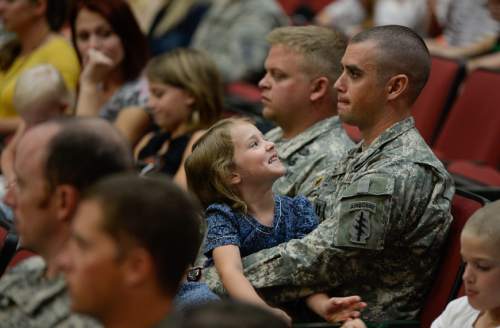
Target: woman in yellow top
(35, 23)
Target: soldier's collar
(291, 146)
(391, 133)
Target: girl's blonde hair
(209, 167)
(194, 72)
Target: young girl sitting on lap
(232, 169)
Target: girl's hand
(342, 308)
(96, 67)
(282, 315)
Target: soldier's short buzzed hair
(321, 47)
(157, 215)
(85, 150)
(485, 223)
(400, 51)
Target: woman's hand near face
(96, 68)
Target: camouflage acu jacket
(28, 299)
(307, 154)
(386, 213)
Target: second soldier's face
(285, 88)
(360, 93)
(91, 264)
(34, 204)
(482, 272)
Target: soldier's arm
(405, 203)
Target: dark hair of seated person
(227, 314)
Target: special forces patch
(360, 228)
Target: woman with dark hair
(113, 52)
(35, 24)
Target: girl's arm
(180, 175)
(335, 309)
(133, 122)
(227, 261)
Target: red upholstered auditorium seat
(437, 96)
(471, 131)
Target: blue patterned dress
(293, 219)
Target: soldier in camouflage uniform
(54, 163)
(297, 93)
(233, 33)
(130, 249)
(385, 207)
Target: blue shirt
(293, 218)
(192, 293)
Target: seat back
(291, 6)
(437, 96)
(471, 130)
(449, 276)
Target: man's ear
(41, 7)
(138, 265)
(319, 87)
(396, 86)
(67, 198)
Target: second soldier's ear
(396, 86)
(319, 87)
(67, 198)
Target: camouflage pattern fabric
(308, 153)
(386, 214)
(233, 33)
(28, 299)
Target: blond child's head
(230, 154)
(480, 248)
(41, 94)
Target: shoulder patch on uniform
(363, 205)
(360, 228)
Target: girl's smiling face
(256, 159)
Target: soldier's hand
(343, 308)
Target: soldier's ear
(67, 198)
(138, 267)
(396, 86)
(319, 87)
